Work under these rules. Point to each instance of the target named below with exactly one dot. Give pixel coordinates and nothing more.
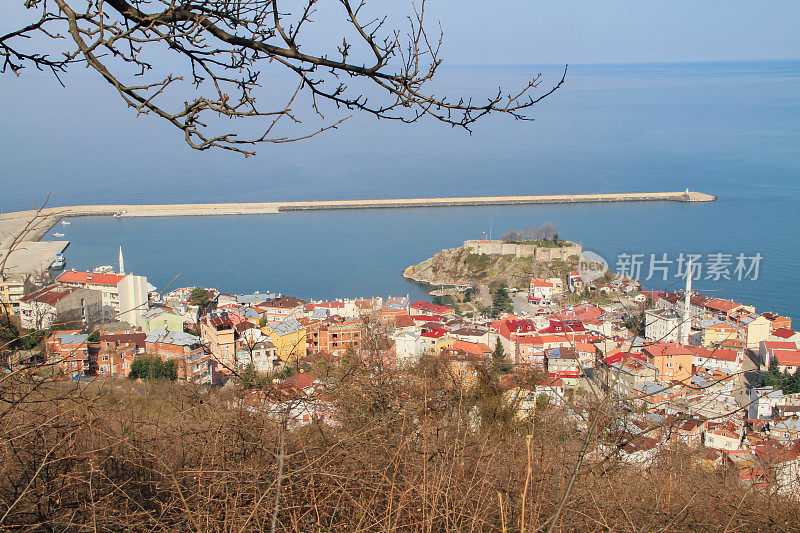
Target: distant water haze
(729, 129)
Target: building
(662, 325)
(71, 352)
(124, 297)
(117, 351)
(261, 354)
(289, 338)
(673, 362)
(409, 347)
(12, 289)
(161, 318)
(218, 332)
(753, 329)
(721, 359)
(717, 333)
(134, 298)
(280, 308)
(541, 289)
(57, 305)
(463, 367)
(193, 360)
(769, 349)
(562, 362)
(334, 335)
(764, 402)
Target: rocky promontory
(488, 262)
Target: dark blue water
(728, 129)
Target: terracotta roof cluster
(432, 308)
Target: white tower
(686, 323)
(121, 262)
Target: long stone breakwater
(38, 255)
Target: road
(522, 307)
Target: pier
(34, 255)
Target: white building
(764, 401)
(124, 297)
(541, 289)
(662, 325)
(409, 347)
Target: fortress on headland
(540, 253)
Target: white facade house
(541, 289)
(662, 325)
(409, 348)
(764, 401)
(124, 296)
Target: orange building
(333, 335)
(673, 362)
(117, 351)
(71, 351)
(218, 331)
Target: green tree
(499, 359)
(150, 367)
(501, 301)
(636, 324)
(199, 296)
(437, 300)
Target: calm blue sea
(729, 129)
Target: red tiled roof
(477, 348)
(434, 333)
(780, 345)
(787, 357)
(718, 353)
(723, 306)
(49, 295)
(784, 333)
(426, 318)
(404, 321)
(90, 278)
(431, 308)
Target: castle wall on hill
(496, 247)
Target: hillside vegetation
(405, 456)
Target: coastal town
(716, 378)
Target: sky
(524, 32)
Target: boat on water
(59, 262)
(58, 234)
(65, 223)
(119, 214)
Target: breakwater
(38, 254)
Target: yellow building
(289, 338)
(12, 288)
(445, 341)
(716, 334)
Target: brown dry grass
(170, 458)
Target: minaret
(121, 262)
(686, 324)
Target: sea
(727, 129)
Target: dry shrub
(171, 458)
